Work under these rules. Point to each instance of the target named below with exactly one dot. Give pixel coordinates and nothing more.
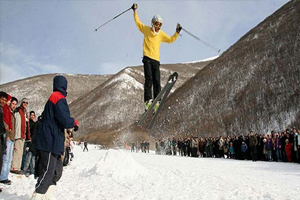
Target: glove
(178, 28)
(134, 6)
(76, 127)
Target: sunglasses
(25, 102)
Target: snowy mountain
(113, 107)
(254, 85)
(38, 88)
(104, 105)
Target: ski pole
(206, 43)
(113, 18)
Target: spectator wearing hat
(22, 129)
(50, 139)
(244, 149)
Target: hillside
(38, 88)
(115, 105)
(104, 105)
(254, 85)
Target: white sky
(39, 37)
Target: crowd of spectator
(276, 146)
(19, 127)
(144, 146)
(18, 131)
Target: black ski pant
(51, 167)
(85, 148)
(152, 77)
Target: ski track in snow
(120, 174)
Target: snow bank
(119, 174)
(204, 60)
(118, 165)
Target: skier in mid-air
(153, 36)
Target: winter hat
(8, 97)
(24, 100)
(264, 140)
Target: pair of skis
(163, 96)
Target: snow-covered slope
(118, 103)
(38, 88)
(254, 85)
(122, 175)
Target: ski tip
(173, 77)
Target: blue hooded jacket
(56, 117)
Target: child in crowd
(288, 150)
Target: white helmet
(156, 18)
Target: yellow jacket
(152, 40)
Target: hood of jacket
(60, 84)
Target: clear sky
(43, 36)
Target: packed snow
(120, 174)
(126, 81)
(203, 60)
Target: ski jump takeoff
(153, 36)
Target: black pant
(85, 148)
(152, 77)
(254, 153)
(51, 171)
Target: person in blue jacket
(50, 139)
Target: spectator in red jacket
(288, 150)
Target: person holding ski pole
(153, 36)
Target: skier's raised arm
(166, 38)
(138, 23)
